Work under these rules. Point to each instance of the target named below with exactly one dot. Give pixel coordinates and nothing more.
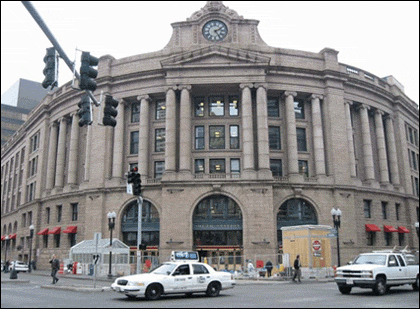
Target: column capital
(263, 85)
(389, 117)
(317, 96)
(249, 85)
(74, 114)
(53, 124)
(143, 97)
(364, 106)
(379, 112)
(187, 87)
(348, 102)
(290, 93)
(173, 88)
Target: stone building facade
(234, 139)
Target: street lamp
(416, 225)
(111, 225)
(31, 235)
(336, 214)
(5, 254)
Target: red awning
(3, 237)
(70, 230)
(56, 230)
(43, 232)
(372, 228)
(403, 229)
(390, 229)
(12, 236)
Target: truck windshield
(370, 259)
(164, 269)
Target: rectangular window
(160, 110)
(233, 106)
(367, 208)
(216, 106)
(59, 213)
(371, 237)
(23, 220)
(160, 139)
(235, 165)
(159, 169)
(217, 166)
(401, 240)
(45, 240)
(234, 137)
(34, 142)
(199, 106)
(199, 138)
(276, 168)
(274, 138)
(57, 240)
(74, 211)
(397, 211)
(300, 109)
(217, 137)
(199, 166)
(135, 112)
(303, 168)
(47, 215)
(384, 210)
(301, 139)
(72, 239)
(388, 239)
(30, 218)
(134, 142)
(273, 107)
(414, 160)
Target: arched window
(150, 224)
(293, 212)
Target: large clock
(215, 30)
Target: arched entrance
(218, 232)
(150, 226)
(293, 212)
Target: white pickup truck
(378, 271)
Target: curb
(75, 288)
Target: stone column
(185, 145)
(367, 143)
(380, 138)
(318, 135)
(262, 129)
(247, 135)
(170, 145)
(392, 151)
(144, 138)
(74, 149)
(52, 156)
(352, 158)
(118, 151)
(292, 150)
(61, 153)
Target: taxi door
(201, 277)
(180, 280)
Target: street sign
(316, 245)
(331, 235)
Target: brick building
(234, 139)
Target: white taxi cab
(183, 274)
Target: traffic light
(87, 73)
(85, 111)
(136, 184)
(50, 69)
(110, 112)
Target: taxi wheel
(153, 292)
(213, 289)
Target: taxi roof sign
(184, 256)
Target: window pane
(276, 168)
(300, 109)
(235, 166)
(160, 110)
(233, 106)
(159, 169)
(199, 166)
(199, 138)
(303, 168)
(301, 139)
(199, 106)
(217, 166)
(273, 107)
(134, 143)
(160, 140)
(234, 137)
(274, 138)
(135, 112)
(217, 106)
(217, 137)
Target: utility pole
(34, 13)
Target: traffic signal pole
(140, 212)
(34, 13)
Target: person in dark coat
(297, 267)
(55, 266)
(269, 267)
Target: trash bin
(91, 269)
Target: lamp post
(336, 214)
(416, 225)
(111, 225)
(31, 235)
(5, 254)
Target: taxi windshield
(379, 259)
(164, 269)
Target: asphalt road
(250, 295)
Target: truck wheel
(153, 292)
(416, 285)
(345, 289)
(380, 286)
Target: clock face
(215, 30)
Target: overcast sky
(379, 37)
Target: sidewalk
(85, 283)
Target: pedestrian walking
(55, 266)
(297, 267)
(269, 267)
